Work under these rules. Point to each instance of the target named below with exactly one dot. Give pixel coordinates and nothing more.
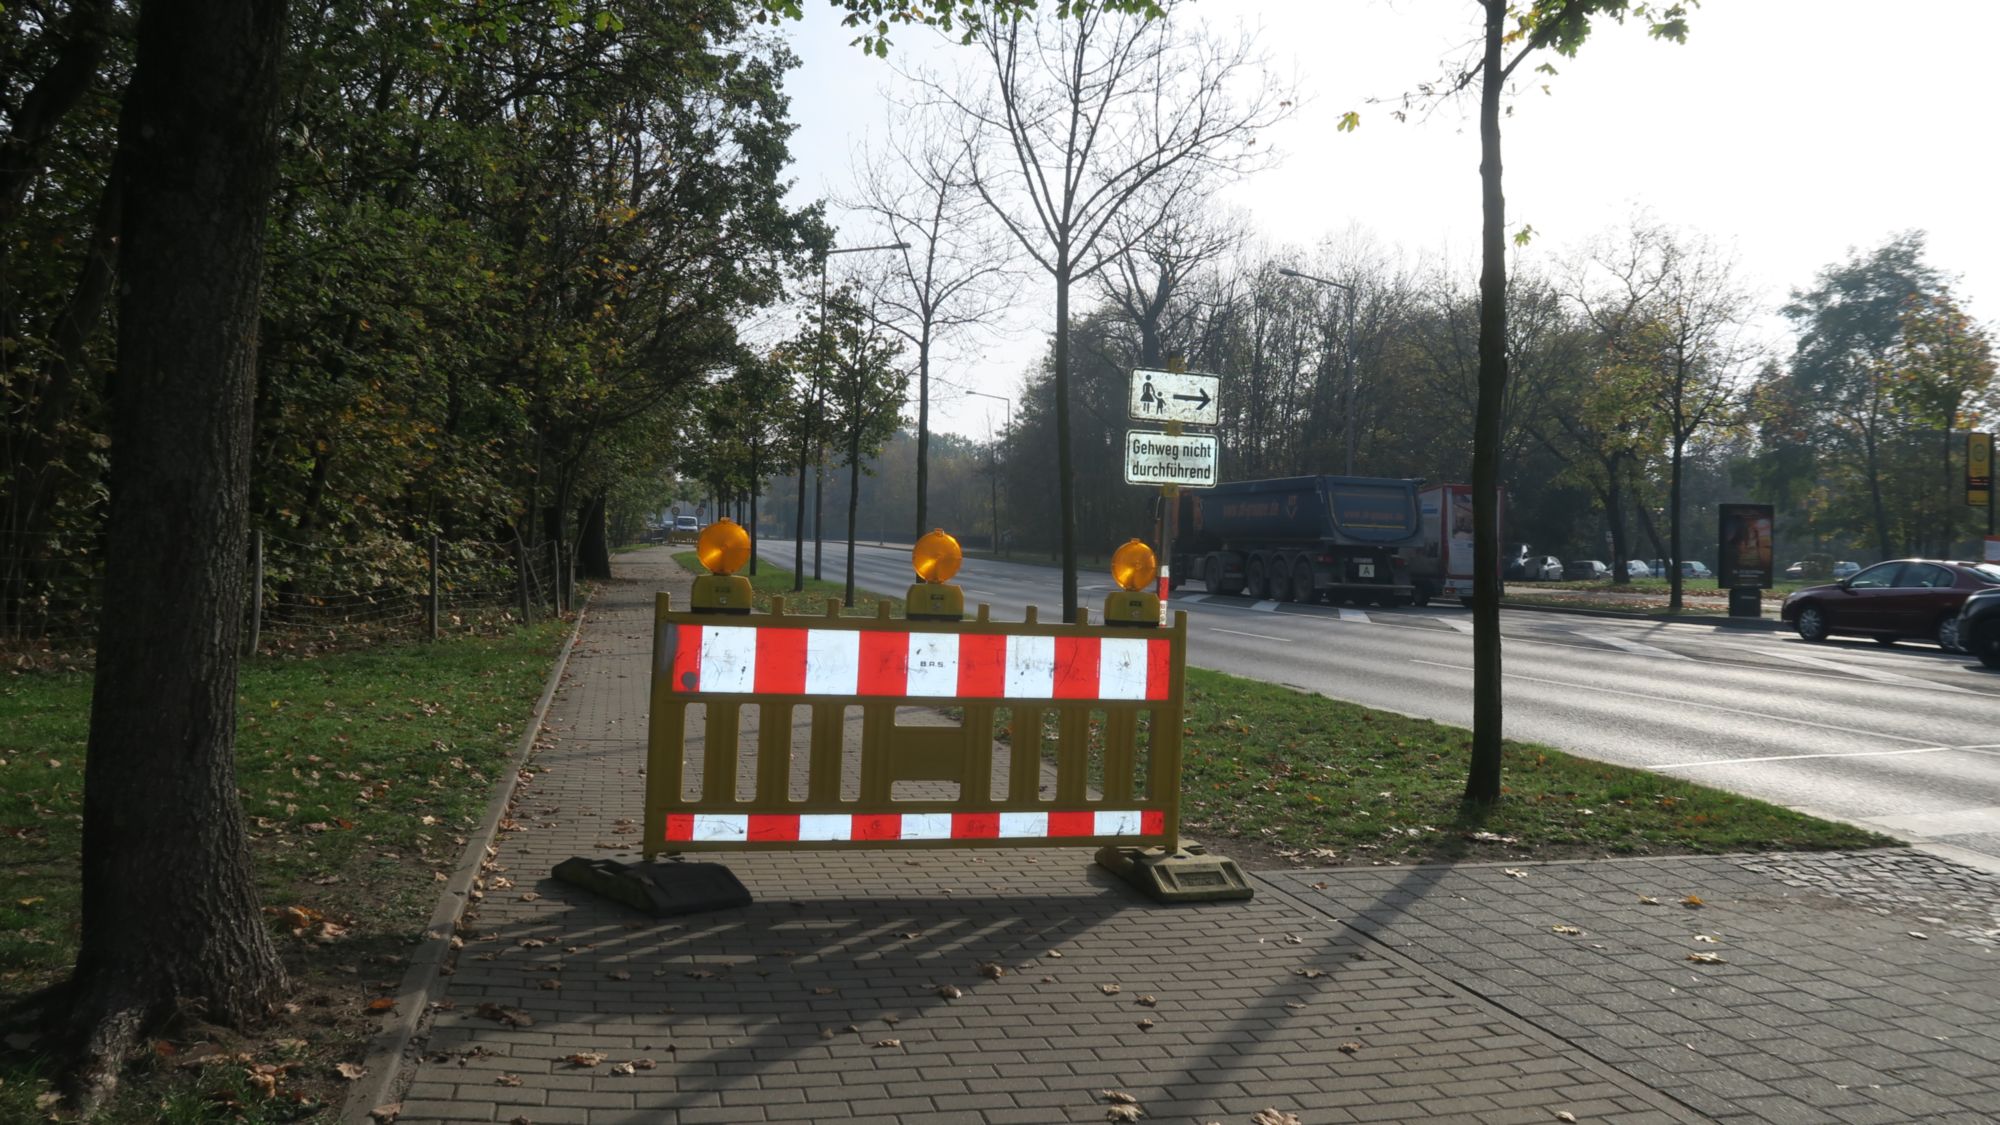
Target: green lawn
(360, 773)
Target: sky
(1788, 131)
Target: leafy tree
(870, 391)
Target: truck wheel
(1420, 593)
(1254, 581)
(1280, 578)
(1302, 582)
(1211, 575)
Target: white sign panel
(1168, 396)
(1188, 459)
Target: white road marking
(1690, 703)
(1241, 633)
(1980, 749)
(1353, 614)
(1265, 607)
(1875, 674)
(1627, 646)
(1461, 626)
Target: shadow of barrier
(1055, 735)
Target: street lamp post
(1347, 350)
(819, 408)
(993, 463)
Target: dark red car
(1892, 601)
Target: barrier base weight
(1188, 875)
(663, 890)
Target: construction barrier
(1102, 703)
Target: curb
(1757, 624)
(389, 1061)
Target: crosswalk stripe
(1875, 674)
(1627, 646)
(1354, 615)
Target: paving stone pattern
(822, 1002)
(1828, 1006)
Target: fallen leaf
(350, 1071)
(513, 1017)
(386, 1113)
(824, 990)
(1123, 1113)
(1707, 959)
(1274, 1117)
(1310, 974)
(950, 991)
(888, 1042)
(1515, 873)
(1108, 989)
(1704, 938)
(552, 985)
(48, 1100)
(1566, 931)
(1349, 1047)
(1146, 1024)
(619, 974)
(529, 896)
(1056, 953)
(1693, 900)
(382, 1004)
(642, 1064)
(584, 1059)
(991, 970)
(1565, 1115)
(1648, 900)
(1119, 1096)
(532, 943)
(623, 1069)
(1920, 936)
(892, 1019)
(507, 1080)
(1147, 1001)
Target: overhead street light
(819, 408)
(1347, 350)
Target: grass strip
(1328, 782)
(772, 579)
(360, 773)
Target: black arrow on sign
(1202, 398)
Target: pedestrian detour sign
(1175, 396)
(1188, 460)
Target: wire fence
(303, 597)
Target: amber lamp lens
(724, 547)
(936, 556)
(1133, 566)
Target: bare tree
(950, 274)
(1163, 251)
(1082, 116)
(1674, 313)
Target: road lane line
(1265, 607)
(1875, 674)
(1627, 646)
(1982, 748)
(1241, 633)
(1690, 703)
(1461, 626)
(1353, 614)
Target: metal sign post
(1171, 458)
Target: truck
(1301, 539)
(1441, 560)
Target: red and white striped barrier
(740, 828)
(744, 660)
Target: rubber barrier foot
(1188, 875)
(664, 890)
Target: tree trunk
(853, 493)
(170, 912)
(593, 553)
(1947, 526)
(1881, 509)
(1065, 482)
(799, 524)
(1482, 783)
(1614, 503)
(1674, 526)
(756, 486)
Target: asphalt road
(1905, 739)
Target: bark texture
(1482, 783)
(170, 914)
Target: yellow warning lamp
(1133, 567)
(935, 558)
(723, 548)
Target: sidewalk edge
(389, 1063)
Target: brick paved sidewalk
(821, 1002)
(1861, 987)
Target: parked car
(687, 524)
(1693, 569)
(1892, 601)
(1585, 570)
(1846, 569)
(1541, 568)
(1979, 626)
(1636, 569)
